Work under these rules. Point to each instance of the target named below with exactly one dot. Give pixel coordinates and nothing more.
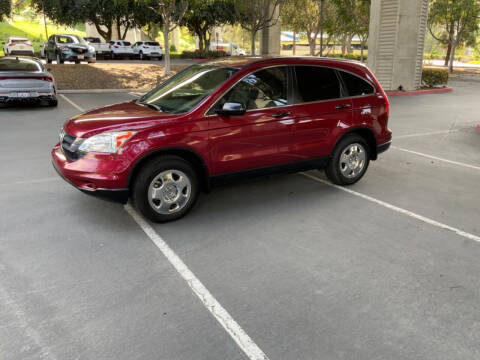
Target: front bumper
(80, 174)
(72, 56)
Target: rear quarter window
(355, 85)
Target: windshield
(187, 89)
(70, 39)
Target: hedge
(432, 77)
(197, 54)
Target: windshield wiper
(151, 106)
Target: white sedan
(18, 46)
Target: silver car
(25, 79)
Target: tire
(349, 161)
(77, 61)
(160, 58)
(49, 61)
(112, 56)
(141, 56)
(59, 59)
(53, 103)
(173, 202)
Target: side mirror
(231, 108)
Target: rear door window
(355, 85)
(315, 83)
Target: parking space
(306, 270)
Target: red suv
(224, 119)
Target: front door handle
(342, 106)
(280, 115)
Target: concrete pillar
(396, 42)
(270, 37)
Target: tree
(103, 14)
(202, 15)
(255, 15)
(5, 8)
(171, 13)
(458, 21)
(303, 16)
(306, 16)
(354, 15)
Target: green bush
(435, 76)
(197, 54)
(173, 48)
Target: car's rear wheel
(165, 189)
(349, 160)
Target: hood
(117, 117)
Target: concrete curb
(419, 92)
(97, 91)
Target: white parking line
(399, 209)
(218, 311)
(437, 158)
(135, 94)
(72, 103)
(425, 134)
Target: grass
(33, 30)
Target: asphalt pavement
(386, 270)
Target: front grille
(69, 147)
(79, 50)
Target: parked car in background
(147, 50)
(26, 79)
(66, 47)
(18, 46)
(102, 49)
(121, 49)
(230, 48)
(223, 119)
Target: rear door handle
(280, 114)
(342, 106)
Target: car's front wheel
(349, 160)
(165, 188)
(59, 59)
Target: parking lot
(386, 269)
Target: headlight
(91, 49)
(64, 48)
(107, 142)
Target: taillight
(145, 47)
(115, 46)
(43, 78)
